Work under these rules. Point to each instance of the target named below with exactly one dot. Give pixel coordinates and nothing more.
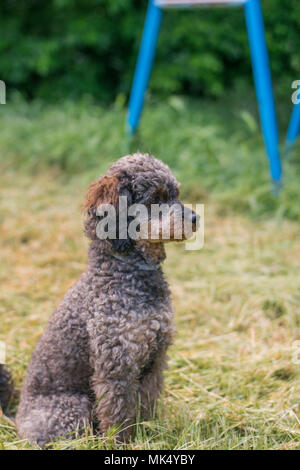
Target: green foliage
(71, 48)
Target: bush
(69, 48)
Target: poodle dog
(102, 355)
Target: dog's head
(144, 198)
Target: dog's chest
(144, 314)
(145, 332)
(133, 319)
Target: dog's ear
(104, 190)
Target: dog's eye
(155, 199)
(159, 197)
(164, 196)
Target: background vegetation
(69, 48)
(215, 149)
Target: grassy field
(233, 381)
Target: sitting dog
(102, 355)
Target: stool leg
(263, 84)
(144, 65)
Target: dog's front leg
(116, 405)
(117, 350)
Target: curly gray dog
(102, 355)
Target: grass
(232, 382)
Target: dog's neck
(153, 253)
(145, 255)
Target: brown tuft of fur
(102, 191)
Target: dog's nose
(195, 219)
(192, 217)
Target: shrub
(69, 48)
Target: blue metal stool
(260, 65)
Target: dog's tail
(6, 387)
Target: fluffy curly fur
(103, 352)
